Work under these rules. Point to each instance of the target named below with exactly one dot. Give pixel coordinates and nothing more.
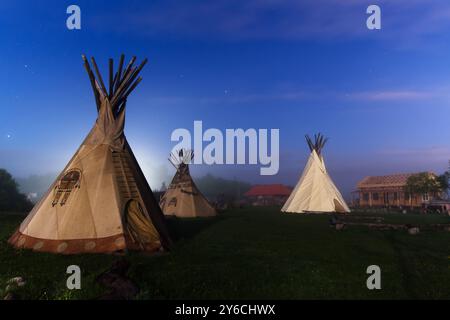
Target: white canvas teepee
(315, 191)
(182, 198)
(101, 201)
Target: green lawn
(256, 254)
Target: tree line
(11, 200)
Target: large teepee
(101, 201)
(315, 191)
(182, 198)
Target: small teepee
(182, 198)
(101, 201)
(315, 191)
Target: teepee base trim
(315, 212)
(75, 246)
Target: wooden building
(388, 191)
(268, 195)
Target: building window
(395, 196)
(375, 196)
(407, 196)
(365, 196)
(425, 197)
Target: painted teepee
(101, 201)
(182, 198)
(315, 191)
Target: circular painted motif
(90, 245)
(21, 241)
(62, 246)
(120, 242)
(38, 245)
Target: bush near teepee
(10, 197)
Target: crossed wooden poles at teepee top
(318, 144)
(121, 83)
(184, 156)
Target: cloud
(440, 94)
(230, 98)
(399, 95)
(434, 153)
(279, 20)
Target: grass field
(256, 254)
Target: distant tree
(10, 197)
(443, 180)
(225, 189)
(424, 183)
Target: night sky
(382, 97)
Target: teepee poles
(111, 74)
(318, 143)
(99, 76)
(92, 80)
(121, 83)
(119, 72)
(183, 156)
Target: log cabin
(389, 191)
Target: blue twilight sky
(383, 97)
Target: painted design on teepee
(70, 181)
(182, 198)
(172, 202)
(87, 208)
(315, 191)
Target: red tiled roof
(269, 190)
(393, 180)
